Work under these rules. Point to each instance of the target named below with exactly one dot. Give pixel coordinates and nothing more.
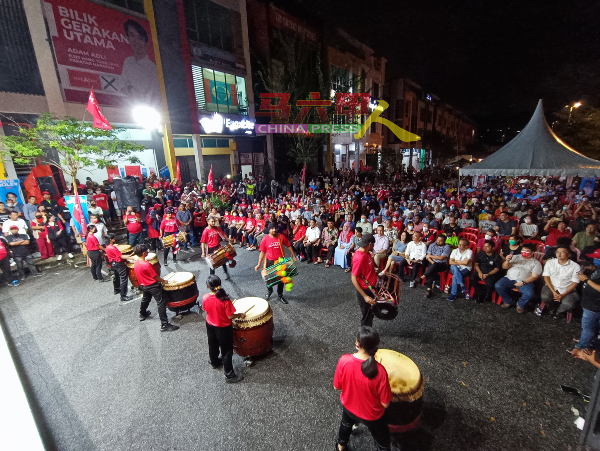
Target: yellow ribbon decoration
(402, 134)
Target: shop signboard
(104, 49)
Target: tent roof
(535, 151)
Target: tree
(76, 145)
(580, 129)
(442, 147)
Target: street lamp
(570, 107)
(147, 117)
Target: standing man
(50, 204)
(150, 283)
(211, 241)
(363, 275)
(134, 226)
(119, 267)
(30, 209)
(101, 200)
(271, 246)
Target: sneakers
(505, 305)
(166, 263)
(269, 293)
(538, 311)
(519, 309)
(451, 297)
(59, 258)
(168, 327)
(216, 366)
(70, 255)
(412, 284)
(227, 277)
(126, 298)
(282, 300)
(234, 379)
(145, 315)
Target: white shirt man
(14, 220)
(294, 214)
(561, 279)
(460, 256)
(415, 251)
(313, 233)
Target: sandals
(347, 270)
(327, 265)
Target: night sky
(492, 60)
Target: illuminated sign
(212, 124)
(237, 125)
(217, 123)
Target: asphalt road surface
(99, 379)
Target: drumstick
(168, 276)
(249, 309)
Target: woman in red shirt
(169, 226)
(297, 238)
(93, 250)
(153, 219)
(366, 390)
(219, 313)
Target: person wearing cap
(19, 245)
(116, 261)
(561, 279)
(364, 277)
(150, 284)
(14, 220)
(153, 220)
(169, 226)
(134, 226)
(50, 204)
(271, 247)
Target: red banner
(101, 48)
(133, 170)
(113, 171)
(210, 187)
(178, 171)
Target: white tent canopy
(536, 151)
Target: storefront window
(220, 92)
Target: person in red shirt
(556, 232)
(93, 252)
(117, 263)
(41, 235)
(219, 330)
(249, 227)
(102, 202)
(211, 241)
(363, 272)
(298, 234)
(199, 222)
(150, 283)
(366, 391)
(271, 247)
(169, 226)
(154, 219)
(260, 225)
(134, 226)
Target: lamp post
(570, 107)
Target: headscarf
(346, 234)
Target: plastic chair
(474, 230)
(569, 314)
(481, 282)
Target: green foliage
(218, 203)
(443, 147)
(390, 162)
(76, 144)
(581, 130)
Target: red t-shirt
(250, 223)
(217, 312)
(91, 243)
(300, 233)
(260, 224)
(554, 234)
(364, 266)
(226, 219)
(3, 251)
(144, 272)
(360, 395)
(133, 223)
(169, 225)
(272, 246)
(113, 254)
(199, 219)
(212, 237)
(101, 200)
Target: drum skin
(133, 277)
(407, 383)
(253, 341)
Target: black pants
(96, 258)
(5, 267)
(416, 266)
(365, 308)
(120, 278)
(331, 253)
(154, 244)
(235, 234)
(62, 243)
(167, 249)
(378, 429)
(490, 282)
(154, 291)
(212, 271)
(221, 337)
(349, 258)
(433, 269)
(312, 251)
(28, 261)
(279, 285)
(299, 248)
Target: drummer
(272, 247)
(119, 267)
(366, 391)
(169, 226)
(363, 272)
(211, 241)
(219, 329)
(150, 283)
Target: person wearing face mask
(528, 230)
(365, 391)
(365, 225)
(13, 204)
(523, 271)
(512, 247)
(584, 215)
(542, 215)
(561, 279)
(490, 235)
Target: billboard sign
(101, 48)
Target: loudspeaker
(126, 192)
(47, 184)
(590, 437)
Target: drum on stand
(181, 291)
(252, 335)
(388, 297)
(125, 249)
(407, 383)
(151, 258)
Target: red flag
(304, 173)
(210, 185)
(178, 171)
(99, 120)
(79, 216)
(354, 165)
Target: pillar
(198, 157)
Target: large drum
(181, 291)
(125, 249)
(151, 258)
(407, 383)
(252, 335)
(221, 256)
